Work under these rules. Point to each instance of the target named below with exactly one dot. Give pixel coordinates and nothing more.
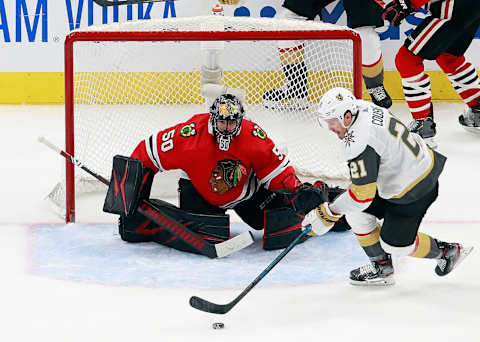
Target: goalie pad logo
(226, 175)
(259, 133)
(188, 130)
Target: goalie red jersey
(223, 178)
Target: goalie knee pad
(282, 226)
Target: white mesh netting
(126, 90)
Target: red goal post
(100, 35)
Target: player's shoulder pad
(194, 125)
(253, 130)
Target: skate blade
(473, 130)
(464, 253)
(375, 282)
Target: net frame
(139, 36)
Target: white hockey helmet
(335, 103)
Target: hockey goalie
(228, 162)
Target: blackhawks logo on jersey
(188, 130)
(226, 175)
(259, 133)
(348, 139)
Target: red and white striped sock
(418, 94)
(466, 83)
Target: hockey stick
(166, 222)
(204, 305)
(106, 3)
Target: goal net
(125, 81)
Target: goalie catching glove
(321, 219)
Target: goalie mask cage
(125, 81)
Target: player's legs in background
(418, 94)
(463, 76)
(364, 17)
(435, 35)
(294, 91)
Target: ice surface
(82, 283)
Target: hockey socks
(463, 76)
(370, 243)
(415, 83)
(426, 247)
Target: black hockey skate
(377, 273)
(470, 119)
(380, 96)
(453, 254)
(426, 128)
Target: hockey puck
(218, 325)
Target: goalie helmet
(335, 103)
(229, 108)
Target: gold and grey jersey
(383, 155)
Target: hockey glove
(396, 11)
(309, 197)
(321, 219)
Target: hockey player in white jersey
(394, 177)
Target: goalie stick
(204, 305)
(106, 3)
(146, 208)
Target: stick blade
(234, 244)
(206, 306)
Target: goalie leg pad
(129, 184)
(282, 226)
(137, 228)
(213, 228)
